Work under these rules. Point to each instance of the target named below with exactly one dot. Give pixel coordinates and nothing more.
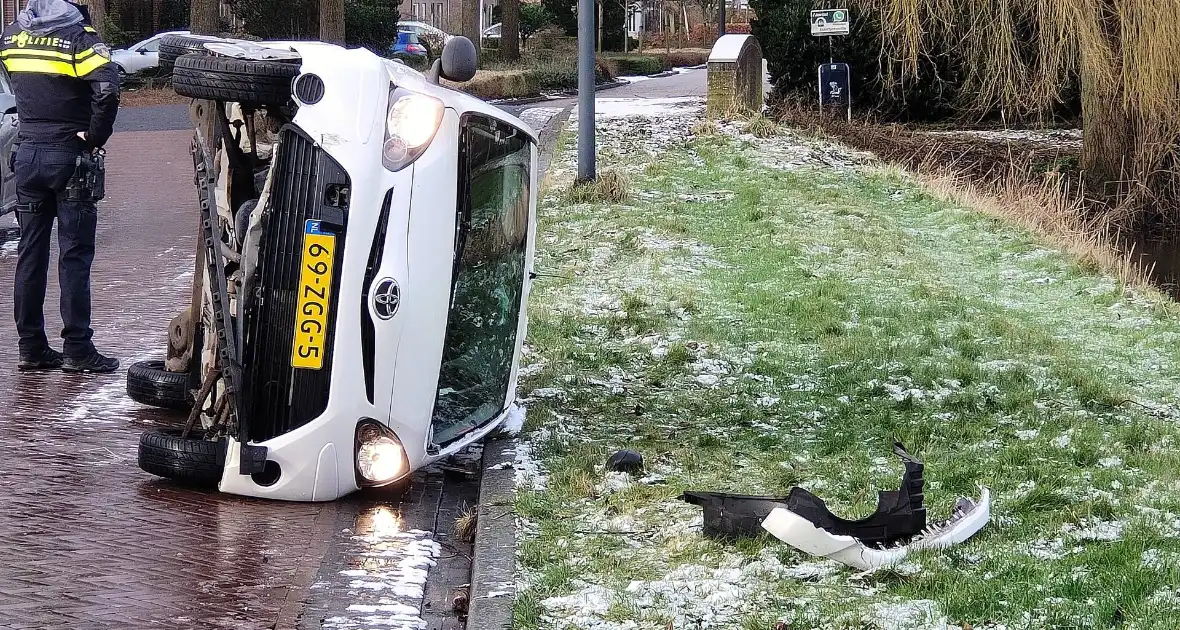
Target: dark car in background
(409, 45)
(8, 129)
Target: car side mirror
(458, 63)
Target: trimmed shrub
(524, 81)
(684, 58)
(632, 65)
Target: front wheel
(192, 460)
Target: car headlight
(380, 457)
(410, 125)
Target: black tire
(150, 384)
(236, 80)
(192, 460)
(173, 46)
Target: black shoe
(47, 359)
(95, 364)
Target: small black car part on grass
(625, 461)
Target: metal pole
(721, 18)
(586, 72)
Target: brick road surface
(87, 540)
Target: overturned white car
(366, 256)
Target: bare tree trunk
(332, 21)
(157, 11)
(203, 17)
(98, 15)
(599, 49)
(1108, 136)
(470, 28)
(626, 26)
(510, 29)
(665, 23)
(1108, 130)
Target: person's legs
(76, 226)
(36, 210)
(77, 222)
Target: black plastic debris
(900, 513)
(732, 515)
(899, 517)
(625, 461)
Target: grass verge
(750, 327)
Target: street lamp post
(586, 72)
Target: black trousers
(42, 173)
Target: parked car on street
(9, 126)
(425, 31)
(367, 255)
(408, 44)
(143, 55)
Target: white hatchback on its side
(371, 236)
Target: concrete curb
(493, 564)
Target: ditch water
(1162, 258)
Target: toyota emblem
(387, 296)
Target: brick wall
(9, 11)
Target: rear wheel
(193, 459)
(150, 384)
(236, 80)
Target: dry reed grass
(762, 127)
(705, 128)
(1050, 211)
(611, 186)
(465, 525)
(1022, 56)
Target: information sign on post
(830, 22)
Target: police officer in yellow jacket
(67, 97)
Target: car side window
(152, 46)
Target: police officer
(67, 97)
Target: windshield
(479, 349)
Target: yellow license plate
(315, 293)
